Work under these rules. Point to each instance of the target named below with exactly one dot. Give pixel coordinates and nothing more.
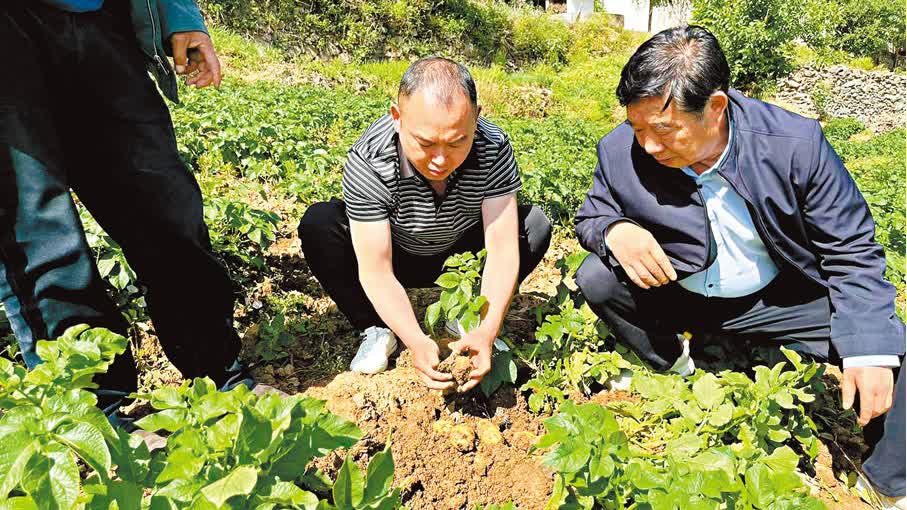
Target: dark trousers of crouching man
(328, 248)
(791, 311)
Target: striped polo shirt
(376, 187)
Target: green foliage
(538, 37)
(570, 354)
(240, 230)
(756, 36)
(49, 422)
(872, 29)
(114, 269)
(352, 490)
(715, 443)
(821, 95)
(475, 31)
(460, 301)
(368, 30)
(460, 298)
(275, 338)
(225, 449)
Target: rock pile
(875, 98)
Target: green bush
(361, 30)
(756, 36)
(538, 37)
(872, 29)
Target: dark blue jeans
(790, 311)
(78, 111)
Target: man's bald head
(446, 80)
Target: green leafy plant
(224, 449)
(460, 301)
(372, 491)
(50, 422)
(717, 442)
(113, 267)
(240, 230)
(274, 337)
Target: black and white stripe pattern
(375, 188)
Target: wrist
(418, 342)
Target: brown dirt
(458, 365)
(449, 452)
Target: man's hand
(639, 254)
(194, 51)
(425, 361)
(478, 344)
(876, 388)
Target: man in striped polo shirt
(430, 179)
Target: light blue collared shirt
(742, 263)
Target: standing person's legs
(647, 321)
(798, 314)
(48, 278)
(125, 167)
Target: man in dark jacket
(714, 213)
(78, 110)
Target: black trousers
(791, 311)
(78, 110)
(328, 248)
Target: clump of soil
(450, 452)
(459, 366)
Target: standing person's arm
(372, 244)
(499, 216)
(186, 38)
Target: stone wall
(876, 98)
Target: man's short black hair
(445, 77)
(683, 63)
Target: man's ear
(717, 105)
(395, 115)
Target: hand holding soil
(459, 366)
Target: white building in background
(636, 14)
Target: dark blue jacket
(805, 204)
(153, 22)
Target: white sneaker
(684, 366)
(377, 345)
(868, 493)
(455, 330)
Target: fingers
(631, 274)
(179, 42)
(654, 271)
(434, 375)
(848, 390)
(664, 263)
(436, 385)
(208, 63)
(470, 384)
(867, 408)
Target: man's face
(674, 137)
(436, 138)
